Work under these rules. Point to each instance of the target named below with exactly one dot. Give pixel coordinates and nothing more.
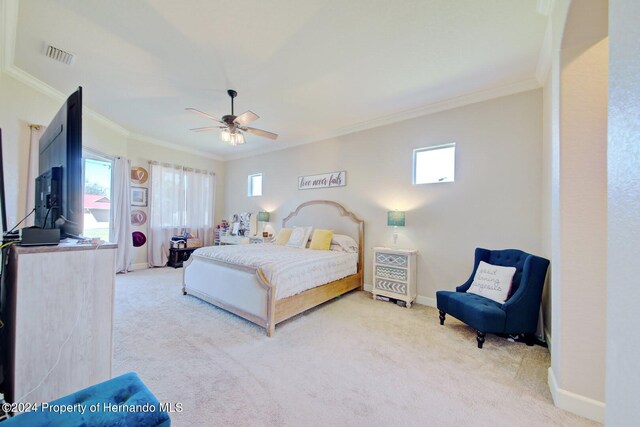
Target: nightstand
(259, 239)
(177, 256)
(394, 274)
(234, 240)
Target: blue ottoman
(121, 401)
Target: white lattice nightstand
(394, 274)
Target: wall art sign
(325, 180)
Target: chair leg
(530, 339)
(442, 314)
(480, 339)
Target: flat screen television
(59, 188)
(3, 205)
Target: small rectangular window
(434, 164)
(254, 185)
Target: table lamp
(263, 217)
(395, 219)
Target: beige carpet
(350, 362)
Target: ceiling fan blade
(246, 117)
(202, 113)
(204, 129)
(262, 133)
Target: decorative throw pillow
(283, 236)
(492, 281)
(345, 242)
(321, 239)
(299, 237)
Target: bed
(216, 275)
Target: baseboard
(431, 302)
(420, 299)
(139, 266)
(572, 402)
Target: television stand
(58, 302)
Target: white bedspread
(290, 270)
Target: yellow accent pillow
(321, 239)
(283, 236)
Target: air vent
(59, 55)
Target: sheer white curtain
(32, 170)
(121, 214)
(180, 199)
(200, 198)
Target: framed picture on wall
(139, 196)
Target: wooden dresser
(58, 302)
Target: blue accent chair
(103, 405)
(518, 315)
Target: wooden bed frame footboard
(246, 292)
(268, 312)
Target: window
(254, 185)
(97, 195)
(434, 164)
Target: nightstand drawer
(391, 286)
(391, 273)
(394, 260)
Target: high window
(434, 164)
(254, 185)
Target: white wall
(494, 202)
(22, 105)
(577, 113)
(623, 292)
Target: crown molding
(9, 20)
(175, 146)
(425, 110)
(443, 105)
(55, 94)
(545, 7)
(545, 55)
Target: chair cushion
(480, 313)
(100, 405)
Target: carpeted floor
(350, 362)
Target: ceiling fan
(232, 125)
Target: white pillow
(492, 281)
(345, 242)
(299, 237)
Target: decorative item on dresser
(394, 274)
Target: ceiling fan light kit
(232, 125)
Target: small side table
(234, 240)
(394, 274)
(178, 255)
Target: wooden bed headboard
(329, 215)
